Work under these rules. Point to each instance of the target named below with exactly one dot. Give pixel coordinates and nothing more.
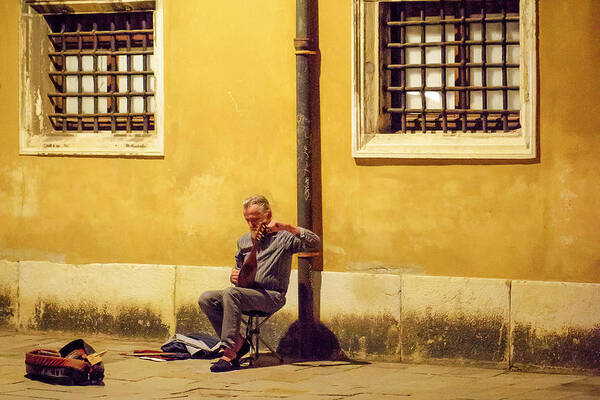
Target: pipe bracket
(304, 46)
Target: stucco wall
(230, 112)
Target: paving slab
(132, 378)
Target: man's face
(254, 215)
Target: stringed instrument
(248, 270)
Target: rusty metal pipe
(303, 46)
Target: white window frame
(367, 142)
(35, 136)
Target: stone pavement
(131, 378)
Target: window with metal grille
(444, 79)
(102, 72)
(452, 65)
(91, 77)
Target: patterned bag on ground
(77, 363)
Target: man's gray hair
(259, 200)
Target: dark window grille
(101, 71)
(451, 65)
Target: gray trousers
(224, 308)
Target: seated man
(274, 259)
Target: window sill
(432, 146)
(92, 144)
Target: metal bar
(79, 82)
(104, 94)
(113, 79)
(423, 73)
(114, 72)
(449, 65)
(111, 32)
(140, 114)
(105, 125)
(452, 43)
(462, 72)
(403, 61)
(99, 53)
(449, 21)
(443, 61)
(145, 77)
(63, 78)
(449, 88)
(53, 10)
(451, 111)
(95, 57)
(493, 118)
(387, 77)
(72, 40)
(456, 116)
(504, 69)
(129, 68)
(484, 69)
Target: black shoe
(223, 365)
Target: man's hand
(275, 226)
(235, 273)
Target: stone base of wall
(549, 326)
(9, 293)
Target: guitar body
(248, 271)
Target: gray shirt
(274, 259)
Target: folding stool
(253, 324)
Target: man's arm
(275, 226)
(304, 239)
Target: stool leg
(256, 338)
(251, 339)
(271, 349)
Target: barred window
(452, 66)
(91, 77)
(445, 79)
(102, 70)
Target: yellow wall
(230, 132)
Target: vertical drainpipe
(303, 45)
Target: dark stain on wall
(189, 319)
(439, 336)
(573, 348)
(366, 334)
(6, 309)
(90, 318)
